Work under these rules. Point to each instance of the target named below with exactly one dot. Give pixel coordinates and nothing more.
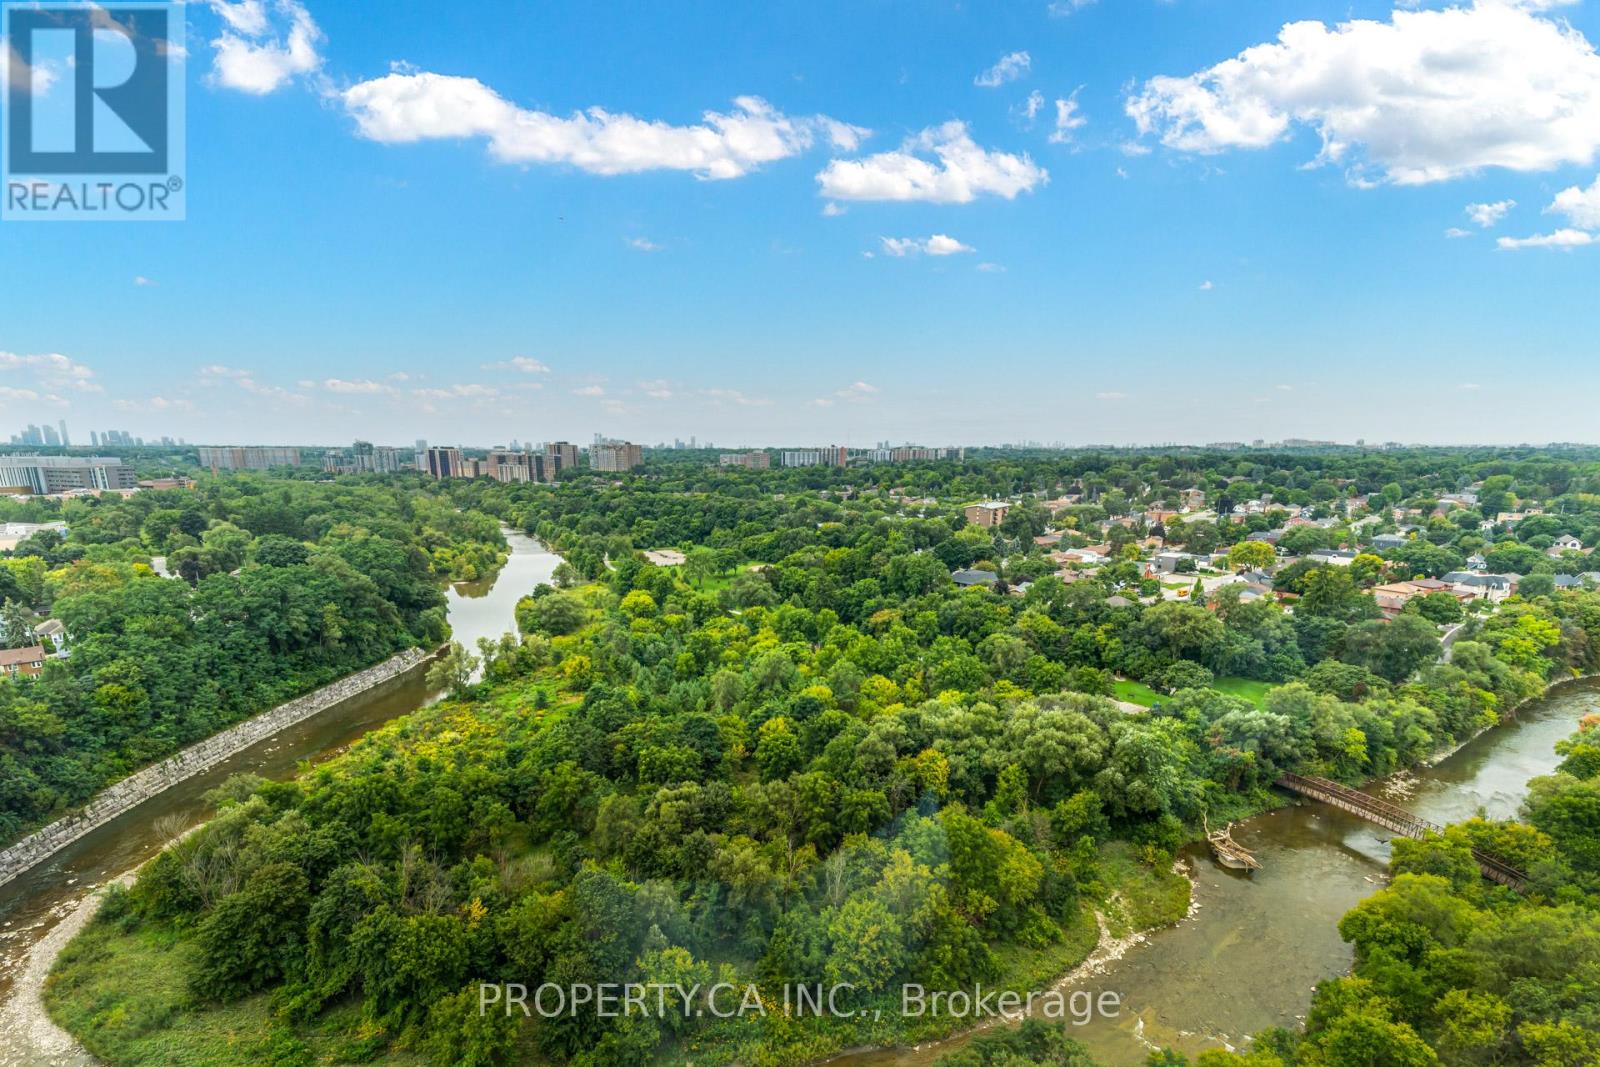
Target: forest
(268, 588)
(807, 756)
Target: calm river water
(1248, 956)
(32, 904)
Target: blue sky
(1110, 222)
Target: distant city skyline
(1112, 223)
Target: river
(1251, 950)
(33, 903)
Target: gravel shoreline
(28, 1037)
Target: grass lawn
(1244, 688)
(1135, 692)
(124, 996)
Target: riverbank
(34, 903)
(197, 758)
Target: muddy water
(33, 904)
(1251, 951)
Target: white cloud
(589, 390)
(1580, 206)
(734, 396)
(248, 17)
(1206, 286)
(53, 371)
(8, 392)
(857, 392)
(937, 245)
(1111, 396)
(1469, 386)
(217, 370)
(643, 244)
(830, 210)
(525, 364)
(991, 268)
(16, 75)
(1486, 215)
(1033, 105)
(1457, 231)
(960, 172)
(659, 389)
(1068, 118)
(405, 107)
(140, 281)
(1063, 8)
(1008, 68)
(460, 391)
(1426, 96)
(259, 52)
(361, 386)
(1564, 240)
(154, 403)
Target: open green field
(1244, 688)
(1135, 692)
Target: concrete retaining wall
(141, 786)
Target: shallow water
(33, 903)
(1253, 947)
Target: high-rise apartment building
(757, 460)
(247, 458)
(442, 462)
(560, 456)
(615, 456)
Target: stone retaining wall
(141, 786)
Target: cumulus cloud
(260, 49)
(1111, 396)
(362, 386)
(959, 172)
(589, 390)
(1486, 215)
(525, 364)
(1062, 8)
(1457, 231)
(404, 107)
(52, 371)
(1033, 105)
(1068, 118)
(643, 244)
(658, 389)
(1426, 96)
(1580, 206)
(19, 77)
(1206, 286)
(1562, 240)
(1008, 68)
(937, 245)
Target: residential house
(1565, 543)
(968, 578)
(1478, 586)
(52, 632)
(1389, 541)
(1167, 562)
(1393, 597)
(1337, 557)
(1476, 562)
(14, 661)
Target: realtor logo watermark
(91, 126)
